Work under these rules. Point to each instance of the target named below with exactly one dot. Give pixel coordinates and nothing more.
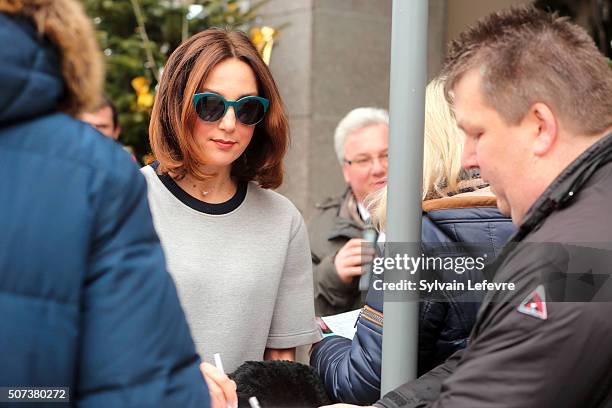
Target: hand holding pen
(222, 390)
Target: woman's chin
(220, 161)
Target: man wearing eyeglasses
(361, 143)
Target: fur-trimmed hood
(49, 59)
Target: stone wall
(333, 56)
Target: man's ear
(346, 173)
(547, 128)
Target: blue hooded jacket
(85, 299)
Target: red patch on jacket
(535, 304)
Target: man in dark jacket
(336, 223)
(532, 93)
(336, 230)
(85, 299)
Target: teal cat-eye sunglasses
(249, 110)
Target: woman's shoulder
(148, 171)
(472, 208)
(272, 200)
(270, 196)
(481, 198)
(151, 177)
(465, 218)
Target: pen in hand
(219, 366)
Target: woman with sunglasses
(237, 251)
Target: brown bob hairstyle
(173, 117)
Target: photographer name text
(435, 286)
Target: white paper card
(343, 324)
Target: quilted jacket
(351, 369)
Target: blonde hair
(441, 154)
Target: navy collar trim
(202, 206)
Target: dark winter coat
(336, 222)
(546, 343)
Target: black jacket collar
(564, 188)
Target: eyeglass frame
(369, 160)
(226, 104)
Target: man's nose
(378, 167)
(468, 156)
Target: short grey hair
(355, 120)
